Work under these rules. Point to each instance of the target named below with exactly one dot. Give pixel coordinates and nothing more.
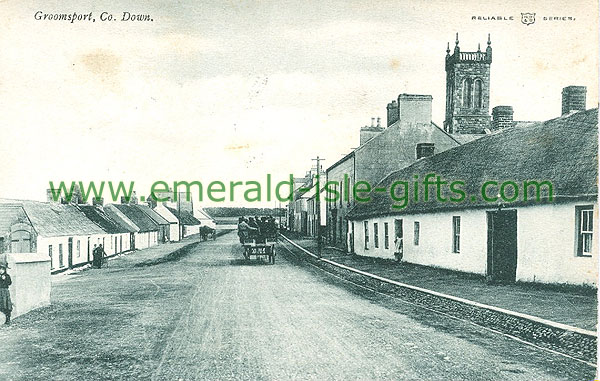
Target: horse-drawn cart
(260, 247)
(260, 242)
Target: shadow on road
(249, 262)
(174, 256)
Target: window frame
(366, 232)
(60, 255)
(376, 234)
(416, 233)
(477, 94)
(580, 233)
(386, 235)
(456, 234)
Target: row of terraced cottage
(532, 239)
(68, 232)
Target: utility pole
(318, 206)
(179, 215)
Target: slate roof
(563, 151)
(102, 219)
(153, 215)
(382, 136)
(166, 214)
(204, 214)
(11, 214)
(138, 217)
(51, 219)
(121, 219)
(185, 218)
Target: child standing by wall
(5, 302)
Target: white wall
(81, 257)
(30, 274)
(188, 230)
(435, 240)
(174, 232)
(146, 239)
(547, 246)
(546, 236)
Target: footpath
(573, 307)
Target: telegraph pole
(318, 206)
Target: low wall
(30, 274)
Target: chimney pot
(378, 122)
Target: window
(78, 248)
(386, 232)
(417, 231)
(50, 255)
(585, 230)
(60, 255)
(477, 95)
(366, 235)
(467, 94)
(456, 234)
(376, 234)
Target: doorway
(502, 245)
(398, 230)
(70, 252)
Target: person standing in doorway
(5, 302)
(399, 249)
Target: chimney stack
(50, 197)
(392, 113)
(98, 202)
(502, 117)
(414, 108)
(425, 150)
(573, 99)
(369, 132)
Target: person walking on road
(5, 302)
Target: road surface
(210, 315)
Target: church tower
(468, 90)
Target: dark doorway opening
(502, 245)
(70, 252)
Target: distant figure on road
(5, 302)
(95, 256)
(399, 249)
(98, 256)
(101, 255)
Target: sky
(235, 90)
